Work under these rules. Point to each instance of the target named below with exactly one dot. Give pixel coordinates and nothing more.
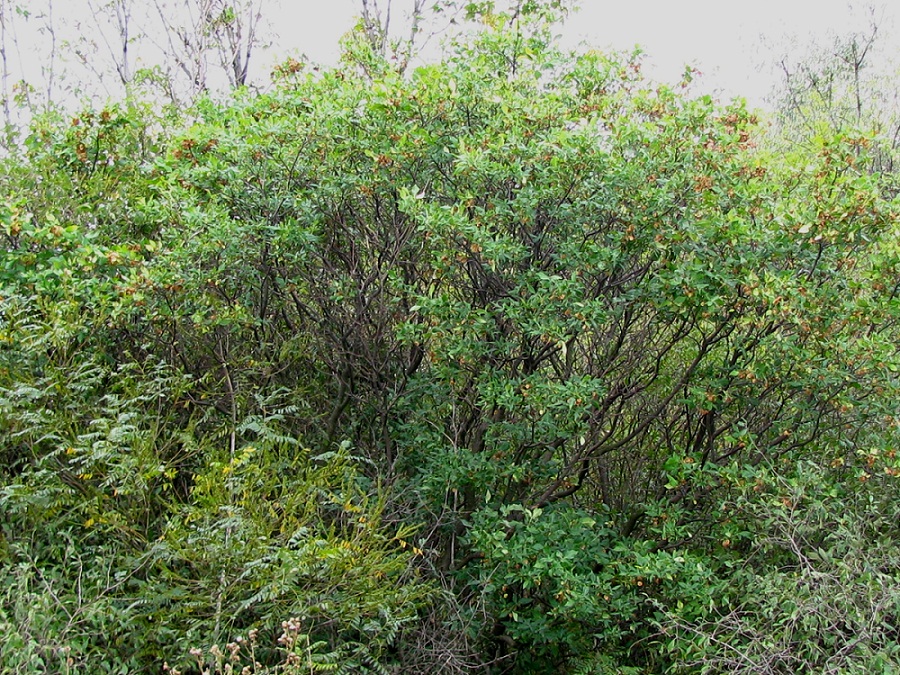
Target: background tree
(118, 16)
(844, 84)
(5, 18)
(199, 30)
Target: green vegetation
(512, 363)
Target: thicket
(513, 363)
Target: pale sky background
(723, 38)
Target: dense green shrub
(817, 590)
(562, 340)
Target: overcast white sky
(722, 37)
